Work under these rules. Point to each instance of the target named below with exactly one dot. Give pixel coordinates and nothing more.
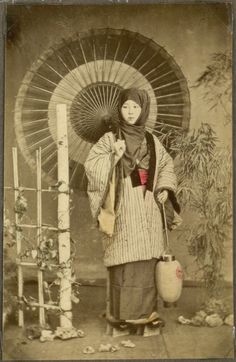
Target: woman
(144, 180)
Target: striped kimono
(138, 232)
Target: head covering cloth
(132, 134)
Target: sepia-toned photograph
(118, 216)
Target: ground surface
(177, 341)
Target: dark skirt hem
(133, 293)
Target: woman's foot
(119, 325)
(119, 329)
(154, 327)
(116, 327)
(156, 323)
(143, 321)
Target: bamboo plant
(204, 175)
(204, 169)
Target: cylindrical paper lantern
(169, 279)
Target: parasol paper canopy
(87, 72)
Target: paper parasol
(86, 72)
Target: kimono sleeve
(166, 178)
(98, 167)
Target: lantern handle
(165, 228)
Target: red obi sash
(143, 174)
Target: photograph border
(3, 30)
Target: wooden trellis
(63, 228)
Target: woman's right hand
(119, 149)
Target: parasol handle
(122, 167)
(165, 228)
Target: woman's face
(130, 111)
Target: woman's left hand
(162, 196)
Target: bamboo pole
(108, 304)
(39, 236)
(28, 263)
(64, 217)
(9, 188)
(18, 237)
(32, 226)
(46, 306)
